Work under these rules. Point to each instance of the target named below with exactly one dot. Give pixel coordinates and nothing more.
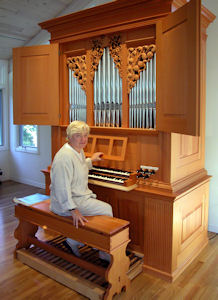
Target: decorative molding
(207, 16)
(78, 66)
(137, 60)
(190, 180)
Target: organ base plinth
(80, 280)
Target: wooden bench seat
(102, 232)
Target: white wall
(4, 165)
(212, 114)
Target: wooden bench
(102, 232)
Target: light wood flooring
(18, 281)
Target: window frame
(27, 149)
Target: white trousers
(91, 207)
(94, 207)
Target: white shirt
(69, 180)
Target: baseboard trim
(213, 228)
(29, 182)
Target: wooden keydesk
(102, 232)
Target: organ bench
(102, 232)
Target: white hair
(77, 127)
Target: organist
(70, 195)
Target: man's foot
(105, 256)
(72, 247)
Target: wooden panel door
(178, 70)
(36, 85)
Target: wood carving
(98, 46)
(78, 66)
(137, 60)
(96, 54)
(115, 50)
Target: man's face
(79, 140)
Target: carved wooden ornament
(96, 54)
(114, 45)
(115, 51)
(137, 59)
(78, 66)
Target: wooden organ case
(168, 213)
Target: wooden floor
(17, 281)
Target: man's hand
(97, 156)
(78, 218)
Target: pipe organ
(107, 93)
(142, 99)
(77, 99)
(124, 67)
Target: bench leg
(22, 232)
(116, 274)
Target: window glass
(28, 136)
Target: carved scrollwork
(115, 51)
(137, 60)
(96, 54)
(98, 45)
(78, 65)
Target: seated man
(70, 195)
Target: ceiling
(19, 19)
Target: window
(1, 118)
(28, 138)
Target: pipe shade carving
(78, 66)
(137, 59)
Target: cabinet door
(178, 70)
(36, 85)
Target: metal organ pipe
(154, 90)
(77, 99)
(108, 96)
(107, 93)
(142, 98)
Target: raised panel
(187, 162)
(190, 218)
(191, 223)
(33, 73)
(178, 70)
(189, 145)
(36, 85)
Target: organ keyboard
(113, 178)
